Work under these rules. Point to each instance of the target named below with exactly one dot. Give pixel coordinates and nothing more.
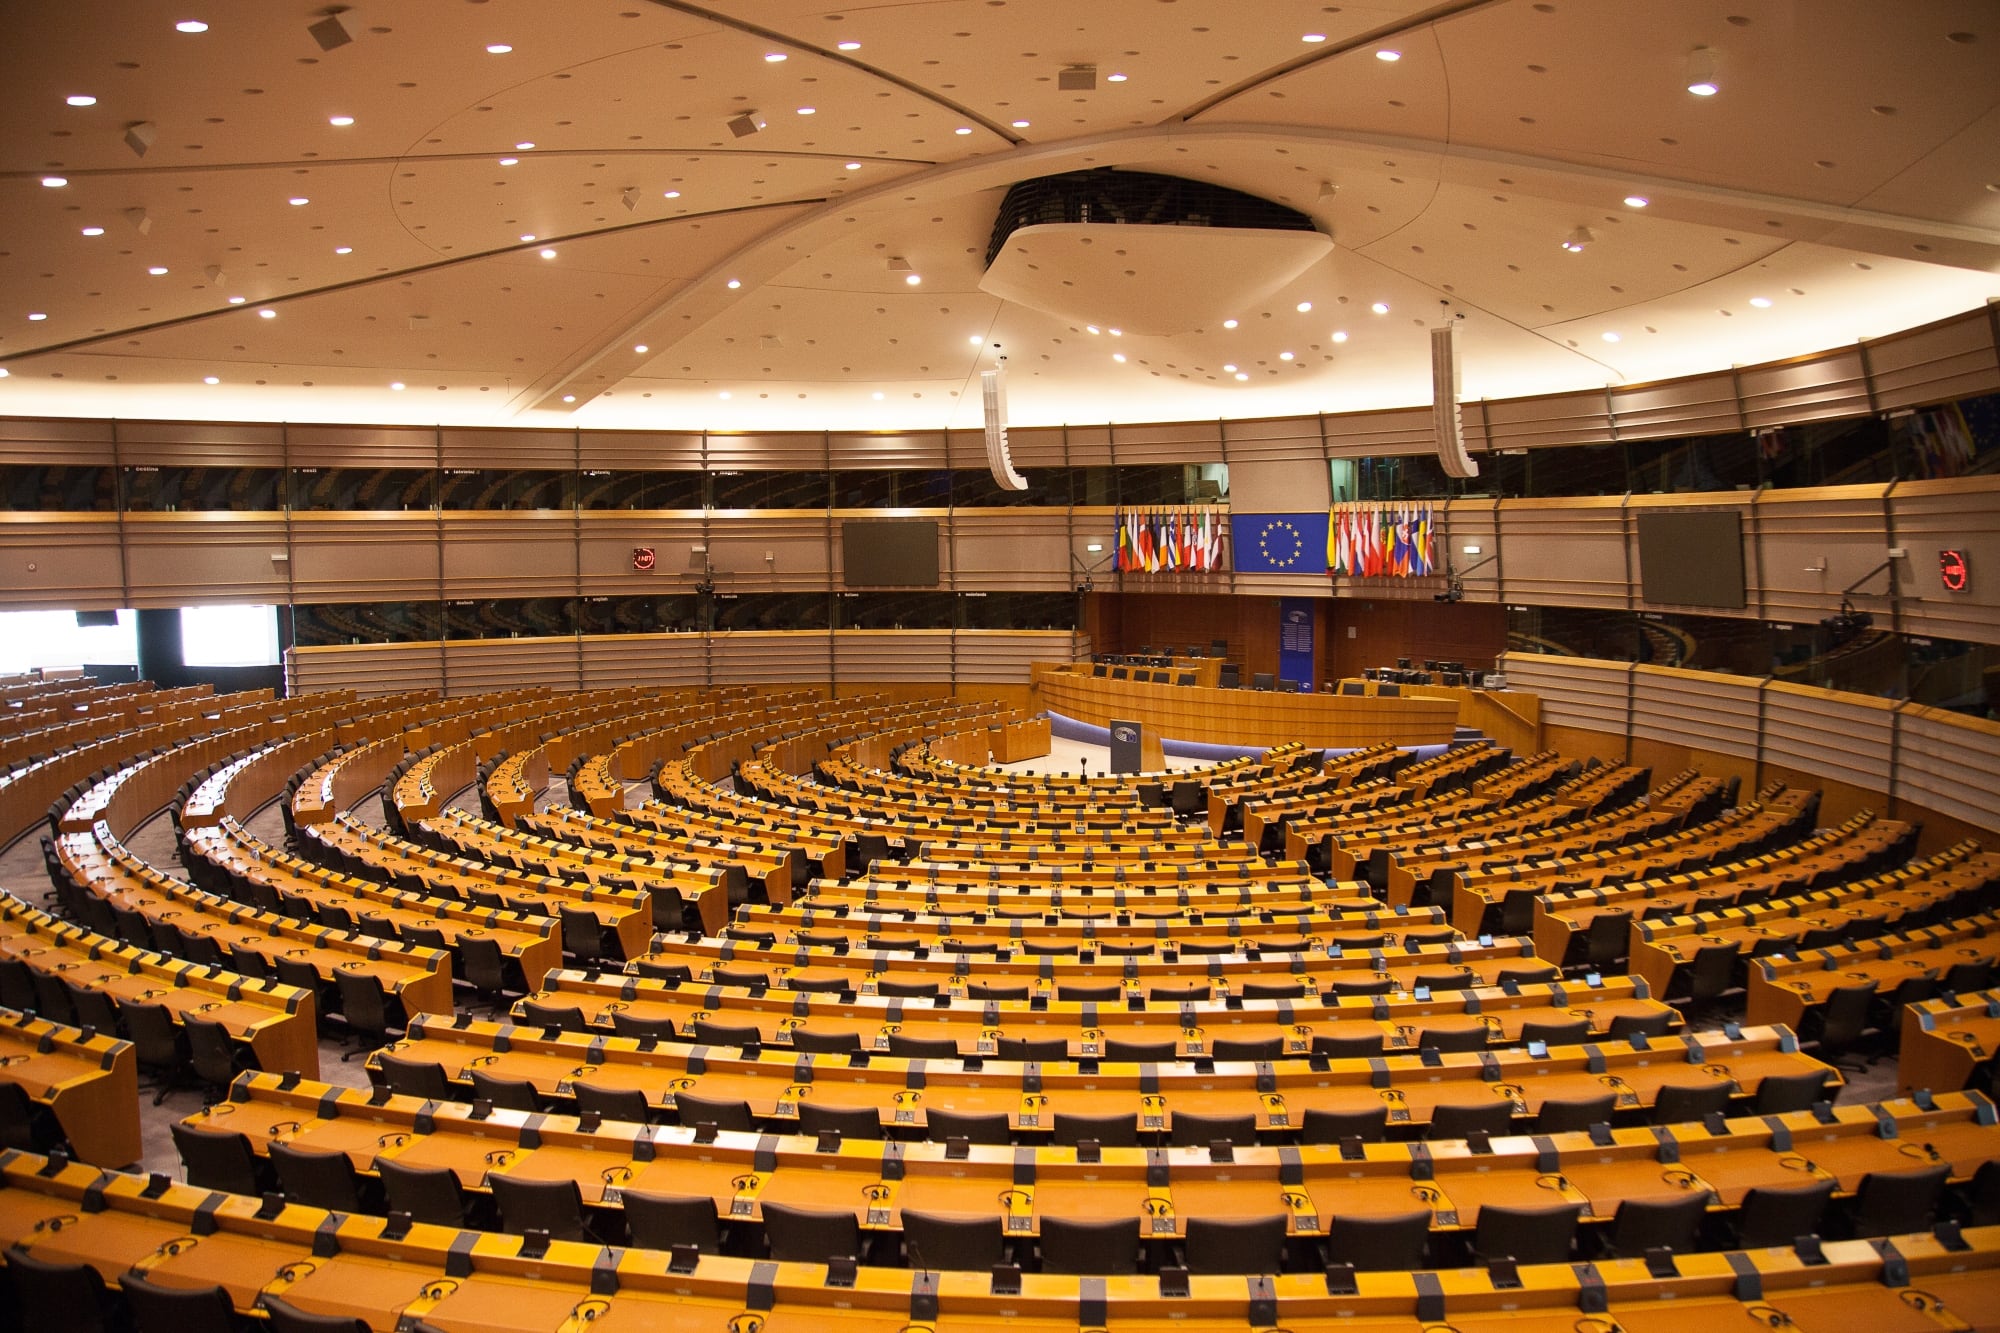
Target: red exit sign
(1952, 571)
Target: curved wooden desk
(1244, 717)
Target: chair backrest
(723, 1114)
(158, 1042)
(662, 1221)
(1385, 1242)
(1651, 1224)
(810, 1235)
(1262, 680)
(1191, 1130)
(1779, 1216)
(1236, 1244)
(990, 1128)
(554, 1206)
(52, 1295)
(284, 1317)
(414, 1078)
(1528, 1235)
(513, 1094)
(1075, 1246)
(958, 1243)
(1458, 1120)
(158, 1309)
(906, 1047)
(850, 1122)
(426, 1193)
(317, 1179)
(627, 1104)
(1109, 1131)
(483, 962)
(217, 1159)
(1564, 1115)
(1890, 1203)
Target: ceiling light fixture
(852, 166)
(1230, 368)
(1020, 124)
(1380, 307)
(734, 283)
(93, 231)
(81, 99)
(963, 129)
(1304, 307)
(1117, 333)
(912, 279)
(1314, 37)
(547, 254)
(190, 25)
(267, 313)
(157, 271)
(808, 110)
(776, 58)
(975, 340)
(54, 182)
(1091, 328)
(1761, 302)
(1388, 55)
(569, 398)
(210, 379)
(877, 395)
(1114, 78)
(1242, 374)
(1701, 72)
(238, 300)
(641, 349)
(343, 249)
(1119, 357)
(36, 317)
(723, 394)
(298, 201)
(671, 194)
(1284, 356)
(1609, 336)
(397, 385)
(851, 46)
(509, 161)
(1228, 323)
(4, 373)
(1577, 239)
(524, 145)
(1636, 201)
(498, 49)
(341, 121)
(1340, 335)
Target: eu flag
(1279, 543)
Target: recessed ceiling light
(93, 231)
(1284, 356)
(1389, 55)
(298, 201)
(36, 317)
(1119, 357)
(524, 145)
(1636, 201)
(569, 398)
(853, 46)
(877, 395)
(1304, 306)
(1117, 333)
(267, 313)
(1609, 336)
(54, 182)
(963, 129)
(723, 394)
(1091, 328)
(975, 340)
(528, 237)
(1242, 375)
(671, 194)
(4, 373)
(1314, 37)
(1228, 323)
(1380, 307)
(342, 121)
(1761, 302)
(210, 379)
(343, 249)
(157, 271)
(81, 99)
(238, 300)
(913, 279)
(776, 58)
(190, 25)
(498, 49)
(734, 283)
(1114, 78)
(1701, 72)
(1340, 335)
(641, 349)
(509, 161)
(547, 254)
(397, 385)
(1020, 124)
(853, 166)
(808, 110)
(1231, 369)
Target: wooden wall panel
(1267, 485)
(1273, 440)
(369, 669)
(1841, 528)
(776, 451)
(1167, 442)
(1844, 737)
(361, 446)
(477, 666)
(1037, 447)
(1813, 388)
(1953, 358)
(60, 561)
(1575, 692)
(640, 451)
(1564, 552)
(1002, 657)
(604, 556)
(749, 657)
(1961, 515)
(1405, 430)
(511, 449)
(1370, 632)
(1672, 706)
(1554, 419)
(1474, 523)
(1949, 763)
(794, 539)
(180, 559)
(893, 654)
(80, 443)
(525, 554)
(862, 450)
(387, 557)
(1127, 622)
(663, 661)
(1696, 405)
(998, 550)
(200, 444)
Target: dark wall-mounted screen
(1692, 557)
(889, 552)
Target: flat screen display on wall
(1692, 557)
(889, 552)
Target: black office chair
(427, 1193)
(1679, 1103)
(1236, 1244)
(320, 1179)
(512, 1094)
(71, 1297)
(371, 1015)
(1462, 1119)
(216, 1057)
(1640, 1225)
(1356, 1046)
(806, 1040)
(1528, 1235)
(1121, 1050)
(980, 990)
(1555, 1032)
(1890, 1203)
(1086, 994)
(1247, 1048)
(1090, 1248)
(953, 1241)
(1835, 1027)
(160, 1309)
(413, 1078)
(1624, 1027)
(623, 1104)
(1110, 1131)
(1320, 1125)
(809, 1235)
(625, 1024)
(1262, 680)
(554, 1206)
(1273, 990)
(281, 1316)
(989, 1127)
(723, 1114)
(1045, 1049)
(662, 1221)
(1452, 1039)
(1199, 1131)
(1564, 1115)
(672, 974)
(586, 938)
(1342, 988)
(906, 1047)
(1177, 994)
(93, 1009)
(850, 1122)
(221, 1159)
(562, 1017)
(707, 1032)
(1779, 1093)
(1780, 1215)
(907, 990)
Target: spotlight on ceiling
(1577, 239)
(330, 32)
(1077, 79)
(139, 136)
(1701, 72)
(747, 124)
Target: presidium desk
(1244, 717)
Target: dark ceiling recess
(1134, 198)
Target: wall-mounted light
(1470, 548)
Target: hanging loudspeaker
(993, 388)
(1444, 403)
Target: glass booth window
(640, 490)
(493, 488)
(51, 488)
(768, 490)
(510, 618)
(366, 622)
(160, 490)
(363, 488)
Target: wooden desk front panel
(1247, 717)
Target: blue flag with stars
(1279, 543)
